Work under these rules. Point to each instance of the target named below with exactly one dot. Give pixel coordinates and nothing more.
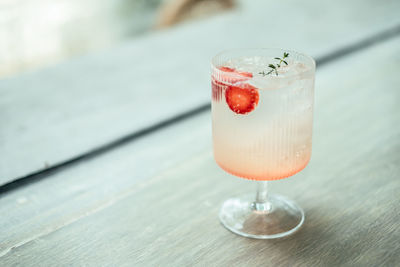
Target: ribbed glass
(273, 141)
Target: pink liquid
(271, 142)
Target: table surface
(92, 174)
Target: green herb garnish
(274, 68)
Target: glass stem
(261, 203)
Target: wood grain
(349, 191)
(56, 114)
(51, 203)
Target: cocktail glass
(262, 130)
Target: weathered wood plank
(54, 202)
(99, 213)
(55, 114)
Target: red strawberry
(226, 69)
(245, 74)
(234, 76)
(242, 73)
(242, 99)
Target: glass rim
(309, 60)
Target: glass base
(279, 217)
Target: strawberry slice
(224, 78)
(233, 76)
(242, 99)
(245, 74)
(226, 69)
(241, 73)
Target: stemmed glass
(262, 113)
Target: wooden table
(106, 160)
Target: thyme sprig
(274, 68)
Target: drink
(273, 141)
(262, 112)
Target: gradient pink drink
(262, 124)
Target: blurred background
(80, 76)
(37, 33)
